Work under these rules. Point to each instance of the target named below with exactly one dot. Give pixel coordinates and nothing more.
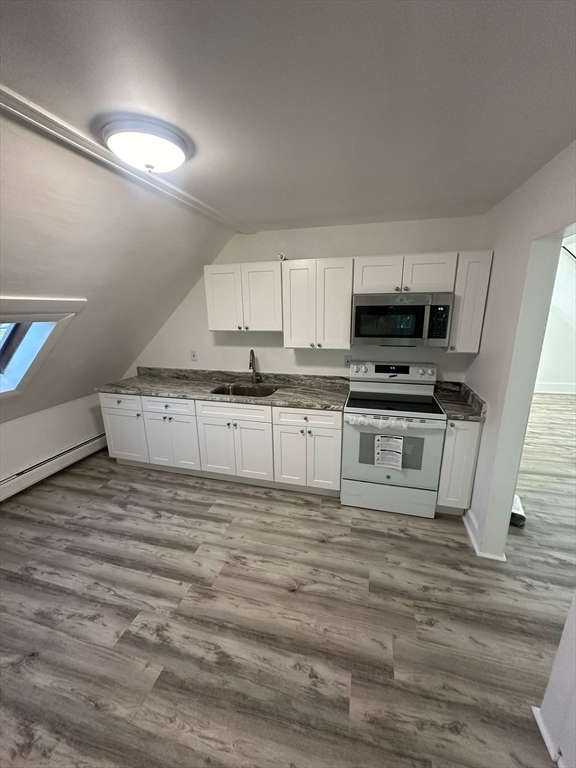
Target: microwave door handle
(426, 322)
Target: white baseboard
(468, 524)
(33, 475)
(550, 746)
(554, 388)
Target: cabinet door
(262, 296)
(253, 450)
(429, 272)
(378, 274)
(459, 463)
(290, 454)
(333, 303)
(125, 433)
(299, 303)
(216, 440)
(323, 457)
(159, 439)
(223, 284)
(470, 294)
(184, 434)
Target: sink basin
(244, 390)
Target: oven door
(422, 446)
(391, 320)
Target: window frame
(11, 342)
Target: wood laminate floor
(152, 620)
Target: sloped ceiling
(313, 112)
(71, 228)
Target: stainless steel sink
(244, 390)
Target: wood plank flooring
(151, 620)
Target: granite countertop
(293, 390)
(459, 402)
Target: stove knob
(430, 371)
(421, 371)
(355, 368)
(364, 369)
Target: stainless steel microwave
(402, 320)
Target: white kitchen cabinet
(172, 440)
(299, 302)
(216, 439)
(253, 450)
(290, 444)
(323, 458)
(185, 448)
(223, 283)
(317, 303)
(378, 274)
(429, 272)
(125, 434)
(262, 296)
(159, 439)
(333, 303)
(459, 463)
(244, 297)
(405, 273)
(470, 294)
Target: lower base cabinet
(232, 447)
(125, 434)
(307, 456)
(459, 463)
(172, 440)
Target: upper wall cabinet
(244, 297)
(317, 303)
(470, 294)
(422, 273)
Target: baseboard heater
(23, 479)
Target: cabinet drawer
(302, 417)
(168, 405)
(128, 402)
(244, 411)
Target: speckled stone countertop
(293, 390)
(459, 402)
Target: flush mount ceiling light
(146, 144)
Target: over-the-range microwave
(402, 320)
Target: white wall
(504, 372)
(557, 368)
(27, 441)
(187, 328)
(72, 228)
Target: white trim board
(29, 477)
(550, 746)
(469, 521)
(555, 388)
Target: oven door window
(389, 322)
(412, 450)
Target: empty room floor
(164, 621)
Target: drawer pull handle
(167, 405)
(118, 401)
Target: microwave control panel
(439, 321)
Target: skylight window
(20, 344)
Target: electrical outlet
(347, 360)
(193, 356)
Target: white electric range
(393, 438)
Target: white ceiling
(312, 112)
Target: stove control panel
(400, 372)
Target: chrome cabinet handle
(311, 344)
(138, 415)
(228, 424)
(169, 418)
(235, 424)
(309, 431)
(406, 288)
(302, 431)
(166, 405)
(305, 418)
(239, 327)
(164, 418)
(318, 345)
(118, 401)
(245, 327)
(397, 288)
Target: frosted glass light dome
(145, 146)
